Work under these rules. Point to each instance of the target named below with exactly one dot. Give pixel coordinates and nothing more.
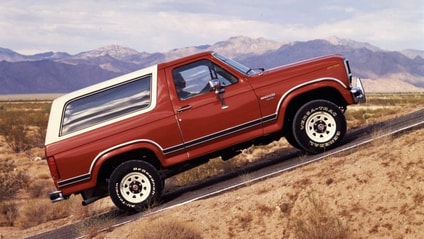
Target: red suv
(124, 136)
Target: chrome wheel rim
(135, 187)
(321, 127)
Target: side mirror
(215, 84)
(219, 90)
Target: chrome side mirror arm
(219, 91)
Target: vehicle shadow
(173, 192)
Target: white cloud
(389, 29)
(75, 26)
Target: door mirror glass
(215, 84)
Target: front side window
(106, 104)
(193, 79)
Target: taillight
(53, 168)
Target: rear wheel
(319, 125)
(135, 185)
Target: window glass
(106, 105)
(225, 78)
(193, 79)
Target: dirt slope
(375, 192)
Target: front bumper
(358, 92)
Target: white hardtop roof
(58, 104)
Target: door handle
(186, 107)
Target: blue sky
(30, 27)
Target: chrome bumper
(56, 196)
(358, 92)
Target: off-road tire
(318, 126)
(290, 137)
(135, 185)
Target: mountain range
(60, 72)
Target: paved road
(257, 171)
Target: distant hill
(46, 76)
(60, 72)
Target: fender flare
(116, 150)
(288, 96)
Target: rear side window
(106, 104)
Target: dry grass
(40, 211)
(380, 107)
(92, 227)
(11, 180)
(23, 124)
(8, 211)
(313, 219)
(39, 188)
(164, 228)
(212, 168)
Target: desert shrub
(23, 126)
(38, 120)
(315, 220)
(13, 128)
(8, 213)
(11, 180)
(164, 228)
(41, 211)
(212, 168)
(40, 188)
(35, 214)
(395, 99)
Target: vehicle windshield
(234, 64)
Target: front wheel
(134, 185)
(318, 126)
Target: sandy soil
(376, 192)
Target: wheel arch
(104, 166)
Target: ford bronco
(123, 137)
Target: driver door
(208, 123)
